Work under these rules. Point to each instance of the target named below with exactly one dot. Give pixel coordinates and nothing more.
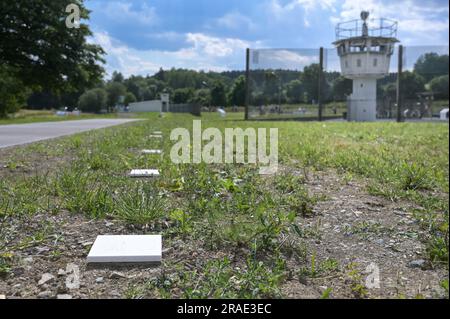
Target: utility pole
(320, 86)
(399, 85)
(247, 84)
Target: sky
(141, 36)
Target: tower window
(375, 62)
(358, 63)
(346, 63)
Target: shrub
(93, 101)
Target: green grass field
(31, 116)
(229, 208)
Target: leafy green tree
(117, 77)
(93, 100)
(310, 80)
(295, 92)
(148, 94)
(115, 91)
(202, 97)
(341, 88)
(35, 41)
(390, 91)
(13, 95)
(160, 75)
(237, 92)
(431, 65)
(218, 95)
(439, 86)
(272, 87)
(129, 98)
(412, 84)
(181, 96)
(45, 100)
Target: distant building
(444, 114)
(154, 106)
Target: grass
(230, 207)
(33, 116)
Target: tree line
(45, 65)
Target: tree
(93, 101)
(341, 88)
(117, 77)
(35, 41)
(129, 98)
(218, 95)
(13, 95)
(412, 83)
(431, 65)
(182, 96)
(310, 80)
(272, 87)
(295, 92)
(44, 100)
(237, 92)
(115, 91)
(202, 97)
(160, 75)
(439, 86)
(390, 91)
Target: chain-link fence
(296, 84)
(283, 83)
(425, 88)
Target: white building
(146, 106)
(155, 106)
(365, 50)
(444, 114)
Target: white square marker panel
(126, 249)
(144, 173)
(151, 152)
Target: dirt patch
(21, 161)
(349, 232)
(365, 235)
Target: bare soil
(350, 226)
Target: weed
(140, 205)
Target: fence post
(320, 101)
(247, 83)
(399, 85)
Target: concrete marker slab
(144, 173)
(126, 249)
(151, 152)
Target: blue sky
(140, 36)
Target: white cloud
(123, 12)
(215, 47)
(120, 57)
(284, 59)
(281, 11)
(419, 24)
(236, 21)
(203, 53)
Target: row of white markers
(130, 249)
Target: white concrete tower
(365, 50)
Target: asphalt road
(19, 134)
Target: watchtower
(365, 49)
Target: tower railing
(376, 28)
